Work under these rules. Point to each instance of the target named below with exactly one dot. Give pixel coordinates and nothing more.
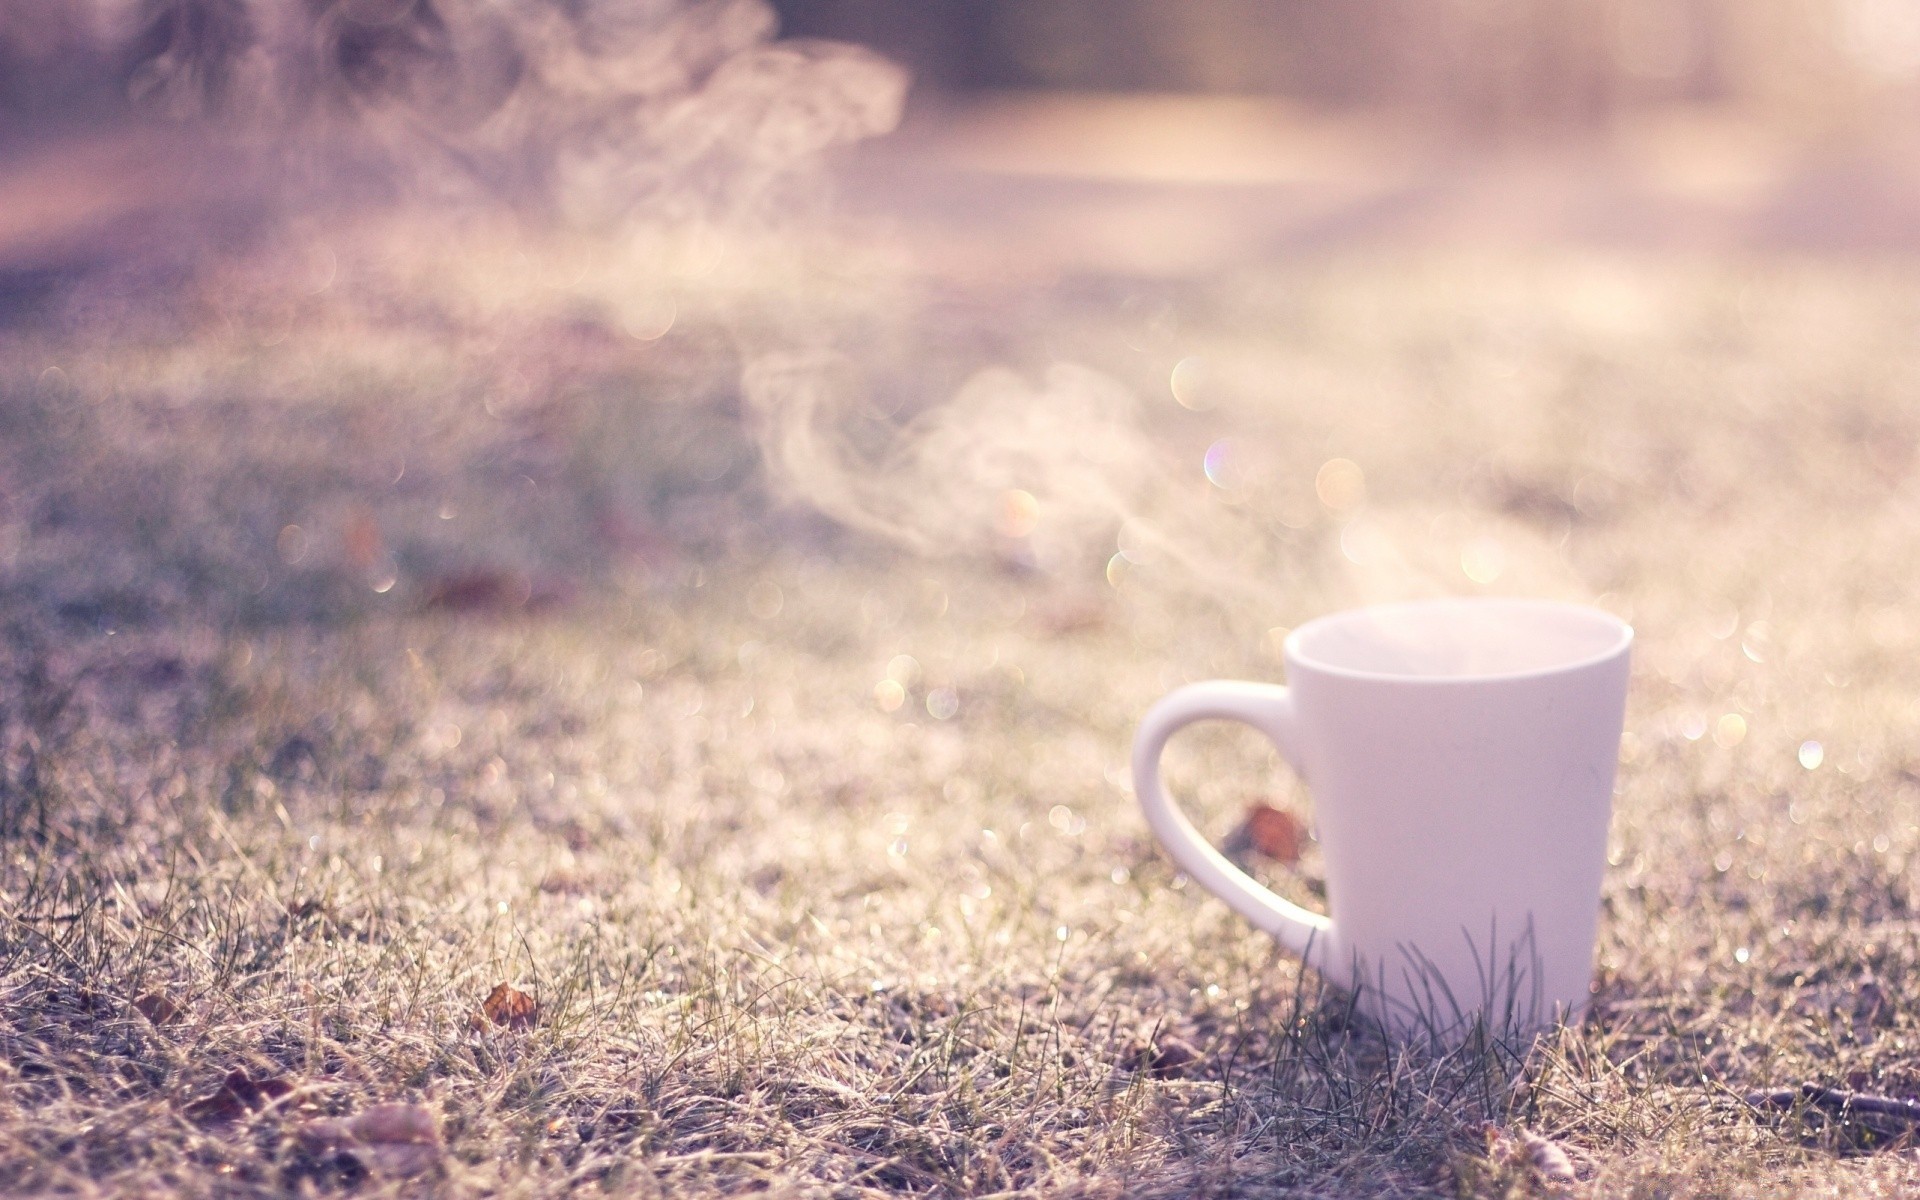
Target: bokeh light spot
(1364, 544)
(1019, 513)
(943, 704)
(1812, 754)
(1340, 484)
(1483, 560)
(1276, 641)
(889, 695)
(1730, 730)
(1189, 382)
(1136, 543)
(650, 319)
(292, 544)
(1220, 464)
(765, 600)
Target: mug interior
(1459, 638)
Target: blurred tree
(1507, 67)
(1216, 45)
(52, 61)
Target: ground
(740, 664)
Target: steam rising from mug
(1073, 444)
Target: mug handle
(1268, 708)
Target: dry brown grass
(785, 939)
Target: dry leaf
(237, 1096)
(479, 590)
(508, 1007)
(491, 590)
(395, 1140)
(1548, 1159)
(1166, 1057)
(1268, 831)
(157, 1008)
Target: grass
(563, 679)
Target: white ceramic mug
(1460, 754)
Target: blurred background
(486, 300)
(1791, 118)
(1498, 64)
(1695, 124)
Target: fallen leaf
(396, 1140)
(1268, 831)
(1547, 1158)
(237, 1095)
(479, 590)
(508, 1007)
(157, 1009)
(485, 590)
(1166, 1057)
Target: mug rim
(1296, 656)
